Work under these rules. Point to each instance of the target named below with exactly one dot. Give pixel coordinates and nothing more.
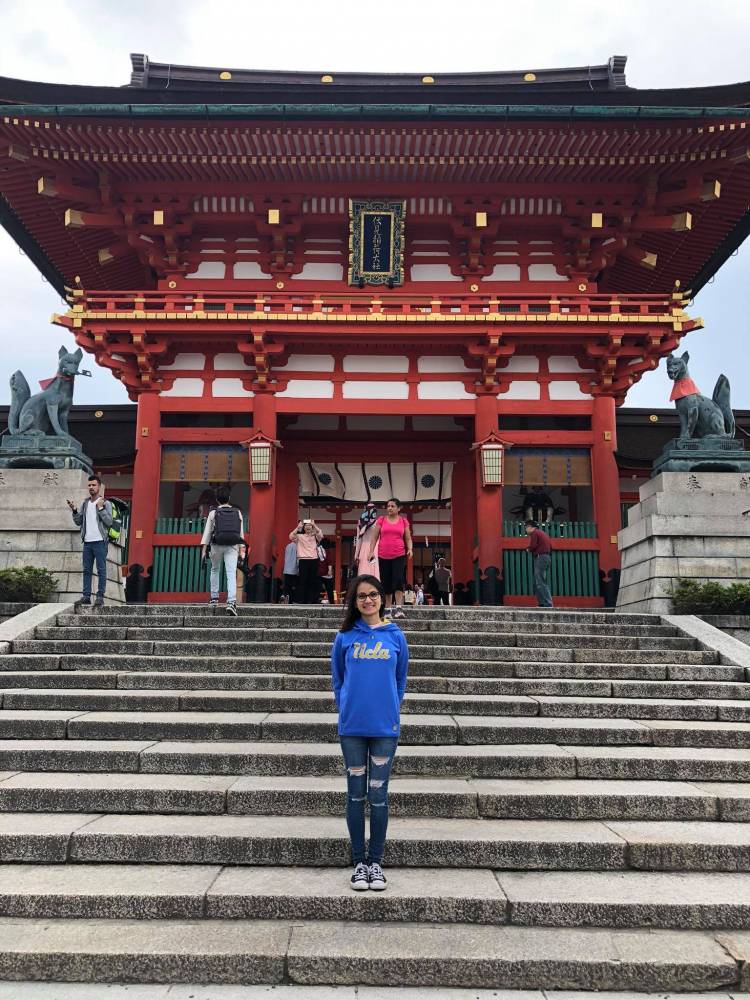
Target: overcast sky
(668, 44)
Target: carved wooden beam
(51, 187)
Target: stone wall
(687, 526)
(9, 609)
(734, 625)
(37, 529)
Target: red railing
(218, 303)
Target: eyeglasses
(372, 596)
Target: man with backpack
(223, 541)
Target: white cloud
(669, 44)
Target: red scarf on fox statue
(684, 387)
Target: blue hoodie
(368, 668)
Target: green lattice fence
(573, 573)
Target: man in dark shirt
(540, 548)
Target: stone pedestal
(708, 454)
(687, 525)
(42, 451)
(37, 529)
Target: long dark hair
(352, 614)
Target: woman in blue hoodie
(369, 663)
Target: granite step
(641, 763)
(690, 901)
(328, 613)
(390, 954)
(495, 799)
(36, 654)
(648, 690)
(416, 639)
(436, 703)
(323, 841)
(566, 845)
(523, 648)
(686, 900)
(265, 701)
(95, 625)
(326, 796)
(416, 729)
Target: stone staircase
(570, 806)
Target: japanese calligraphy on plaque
(376, 242)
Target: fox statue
(46, 412)
(699, 416)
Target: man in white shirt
(219, 551)
(94, 519)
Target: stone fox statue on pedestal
(699, 416)
(46, 412)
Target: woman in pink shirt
(307, 535)
(394, 536)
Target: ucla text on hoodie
(368, 672)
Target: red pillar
(262, 503)
(489, 510)
(463, 519)
(605, 478)
(287, 504)
(146, 475)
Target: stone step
(326, 796)
(416, 729)
(636, 665)
(687, 900)
(323, 841)
(495, 799)
(266, 701)
(247, 636)
(523, 648)
(328, 613)
(193, 680)
(55, 791)
(567, 845)
(641, 763)
(690, 901)
(441, 703)
(410, 625)
(338, 953)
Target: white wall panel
(307, 363)
(229, 387)
(522, 390)
(376, 390)
(320, 272)
(230, 363)
(521, 364)
(302, 388)
(248, 269)
(544, 272)
(379, 363)
(504, 272)
(433, 272)
(185, 387)
(209, 269)
(443, 390)
(567, 390)
(186, 362)
(442, 364)
(565, 363)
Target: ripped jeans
(368, 761)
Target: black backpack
(227, 527)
